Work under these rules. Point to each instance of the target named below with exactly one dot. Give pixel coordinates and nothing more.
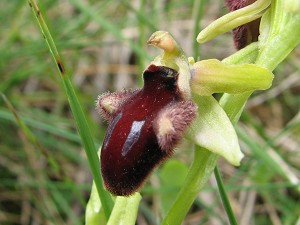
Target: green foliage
(172, 176)
(44, 175)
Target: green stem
(233, 106)
(198, 7)
(224, 197)
(280, 46)
(77, 111)
(268, 55)
(199, 172)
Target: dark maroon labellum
(132, 147)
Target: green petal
(233, 20)
(214, 131)
(212, 76)
(125, 210)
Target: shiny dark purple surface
(130, 150)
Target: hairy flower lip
(135, 141)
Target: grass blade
(78, 113)
(224, 197)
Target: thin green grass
(78, 114)
(224, 197)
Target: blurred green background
(45, 178)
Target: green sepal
(213, 130)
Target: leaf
(214, 131)
(77, 111)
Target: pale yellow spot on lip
(165, 126)
(108, 105)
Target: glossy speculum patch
(143, 129)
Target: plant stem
(224, 197)
(280, 46)
(283, 39)
(199, 172)
(198, 12)
(233, 106)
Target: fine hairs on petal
(108, 103)
(171, 123)
(126, 188)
